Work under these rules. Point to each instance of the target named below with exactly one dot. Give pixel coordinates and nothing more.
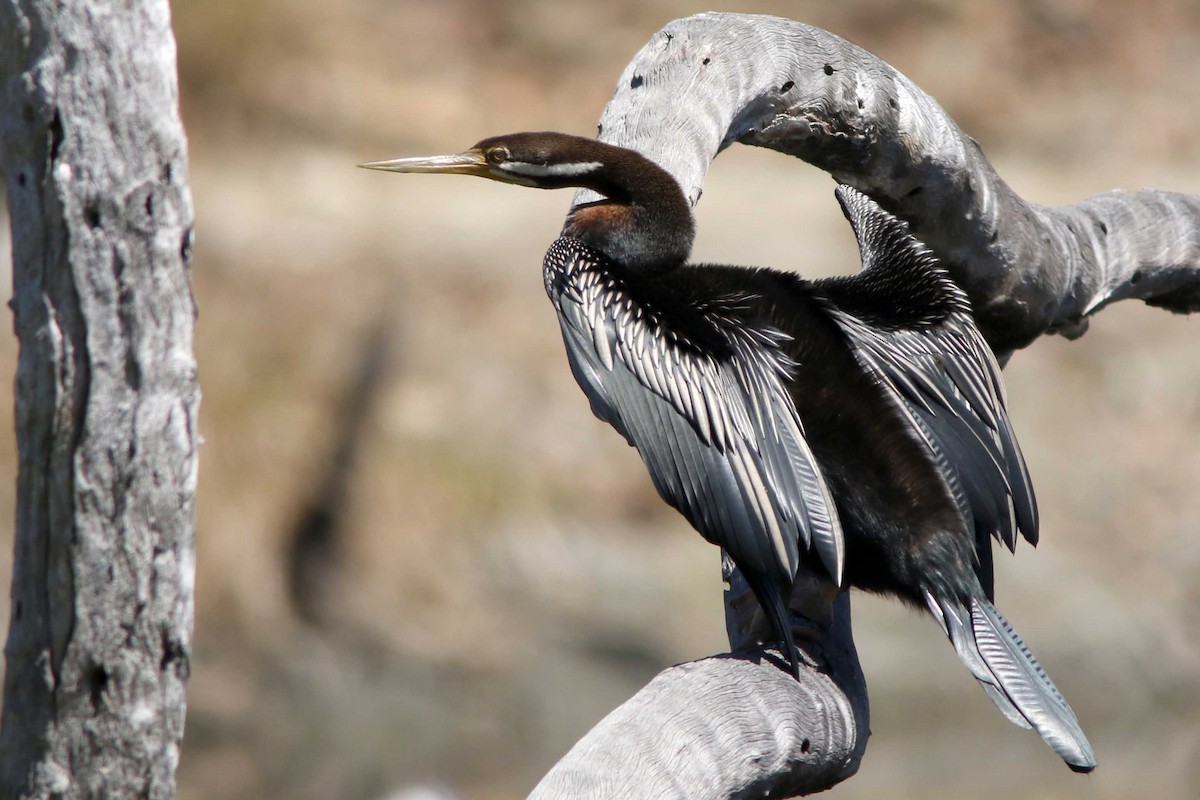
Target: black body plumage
(858, 421)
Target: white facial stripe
(550, 170)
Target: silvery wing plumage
(701, 395)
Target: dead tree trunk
(95, 161)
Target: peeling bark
(95, 161)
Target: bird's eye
(498, 155)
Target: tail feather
(1005, 705)
(1014, 680)
(1027, 687)
(956, 623)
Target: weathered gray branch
(705, 82)
(728, 727)
(95, 162)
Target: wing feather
(720, 436)
(939, 371)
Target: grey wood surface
(95, 162)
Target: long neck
(644, 222)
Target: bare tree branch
(728, 727)
(99, 642)
(705, 82)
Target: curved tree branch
(729, 726)
(705, 82)
(738, 726)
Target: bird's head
(644, 220)
(545, 160)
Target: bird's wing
(720, 436)
(945, 379)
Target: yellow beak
(471, 162)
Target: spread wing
(719, 436)
(942, 375)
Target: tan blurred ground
(509, 575)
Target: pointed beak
(471, 162)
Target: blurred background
(424, 569)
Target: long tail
(775, 606)
(1012, 677)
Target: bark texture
(95, 163)
(708, 81)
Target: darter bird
(859, 421)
